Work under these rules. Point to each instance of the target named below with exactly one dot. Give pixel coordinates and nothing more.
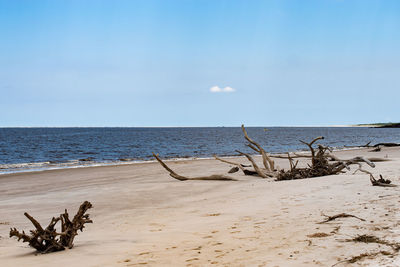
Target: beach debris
(377, 145)
(263, 173)
(378, 159)
(233, 169)
(268, 163)
(371, 239)
(318, 235)
(377, 149)
(184, 178)
(364, 255)
(340, 215)
(380, 182)
(323, 163)
(387, 144)
(238, 165)
(48, 239)
(320, 162)
(87, 159)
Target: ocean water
(32, 149)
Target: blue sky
(153, 63)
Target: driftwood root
(47, 239)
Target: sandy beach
(143, 217)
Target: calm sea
(27, 149)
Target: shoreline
(89, 164)
(142, 216)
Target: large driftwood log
(48, 239)
(184, 178)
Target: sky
(199, 63)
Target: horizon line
(220, 126)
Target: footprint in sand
(144, 253)
(212, 214)
(192, 259)
(158, 227)
(317, 235)
(246, 218)
(139, 263)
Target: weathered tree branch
(240, 166)
(267, 161)
(255, 166)
(311, 148)
(184, 178)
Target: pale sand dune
(144, 217)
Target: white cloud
(217, 89)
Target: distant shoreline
(379, 125)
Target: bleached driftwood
(320, 162)
(238, 165)
(184, 178)
(269, 164)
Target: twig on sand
(340, 215)
(371, 239)
(362, 256)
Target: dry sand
(143, 217)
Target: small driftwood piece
(184, 178)
(377, 149)
(366, 145)
(386, 144)
(340, 215)
(377, 145)
(238, 166)
(380, 182)
(371, 239)
(233, 169)
(295, 155)
(47, 239)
